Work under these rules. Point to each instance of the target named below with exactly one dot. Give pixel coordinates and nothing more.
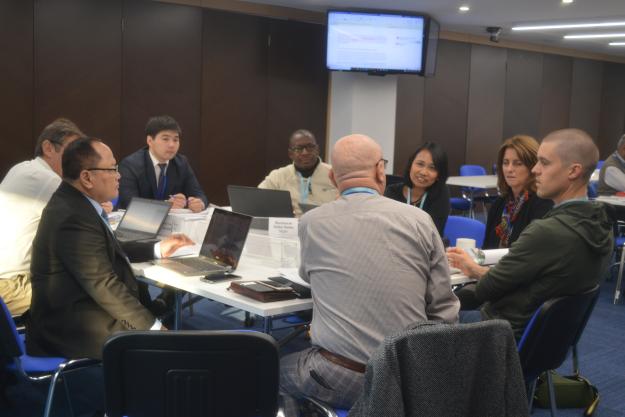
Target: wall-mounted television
(380, 42)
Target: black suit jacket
(83, 288)
(138, 178)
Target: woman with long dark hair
(424, 183)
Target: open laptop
(260, 202)
(142, 220)
(221, 249)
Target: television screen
(375, 42)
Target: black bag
(571, 391)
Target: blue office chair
(553, 331)
(458, 226)
(592, 189)
(316, 407)
(191, 373)
(35, 369)
(473, 194)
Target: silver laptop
(142, 220)
(221, 249)
(260, 202)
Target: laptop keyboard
(200, 264)
(130, 235)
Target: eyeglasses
(383, 160)
(299, 149)
(114, 169)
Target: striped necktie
(160, 189)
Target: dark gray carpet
(601, 349)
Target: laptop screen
(260, 202)
(144, 215)
(225, 237)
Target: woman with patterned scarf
(518, 203)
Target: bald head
(574, 146)
(355, 161)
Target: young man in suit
(158, 171)
(83, 287)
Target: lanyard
(304, 188)
(423, 197)
(355, 190)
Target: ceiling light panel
(571, 26)
(595, 36)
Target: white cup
(465, 244)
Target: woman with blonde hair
(518, 203)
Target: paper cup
(465, 244)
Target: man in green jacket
(565, 253)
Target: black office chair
(191, 373)
(554, 329)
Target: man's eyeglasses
(385, 161)
(114, 169)
(299, 149)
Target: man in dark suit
(157, 171)
(83, 287)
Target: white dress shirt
(24, 193)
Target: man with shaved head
(564, 253)
(375, 267)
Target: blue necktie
(160, 189)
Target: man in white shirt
(307, 177)
(24, 192)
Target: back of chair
(458, 226)
(393, 179)
(471, 170)
(198, 373)
(555, 327)
(11, 345)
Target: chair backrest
(592, 189)
(393, 179)
(470, 170)
(553, 330)
(11, 345)
(458, 226)
(440, 369)
(191, 373)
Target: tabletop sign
(283, 227)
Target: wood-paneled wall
(481, 95)
(237, 84)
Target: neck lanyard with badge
(356, 190)
(423, 197)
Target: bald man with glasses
(306, 178)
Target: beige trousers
(16, 293)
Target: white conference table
(251, 267)
(474, 181)
(612, 200)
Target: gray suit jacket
(445, 370)
(83, 286)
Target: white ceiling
(503, 13)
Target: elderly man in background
(24, 192)
(307, 177)
(375, 267)
(612, 173)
